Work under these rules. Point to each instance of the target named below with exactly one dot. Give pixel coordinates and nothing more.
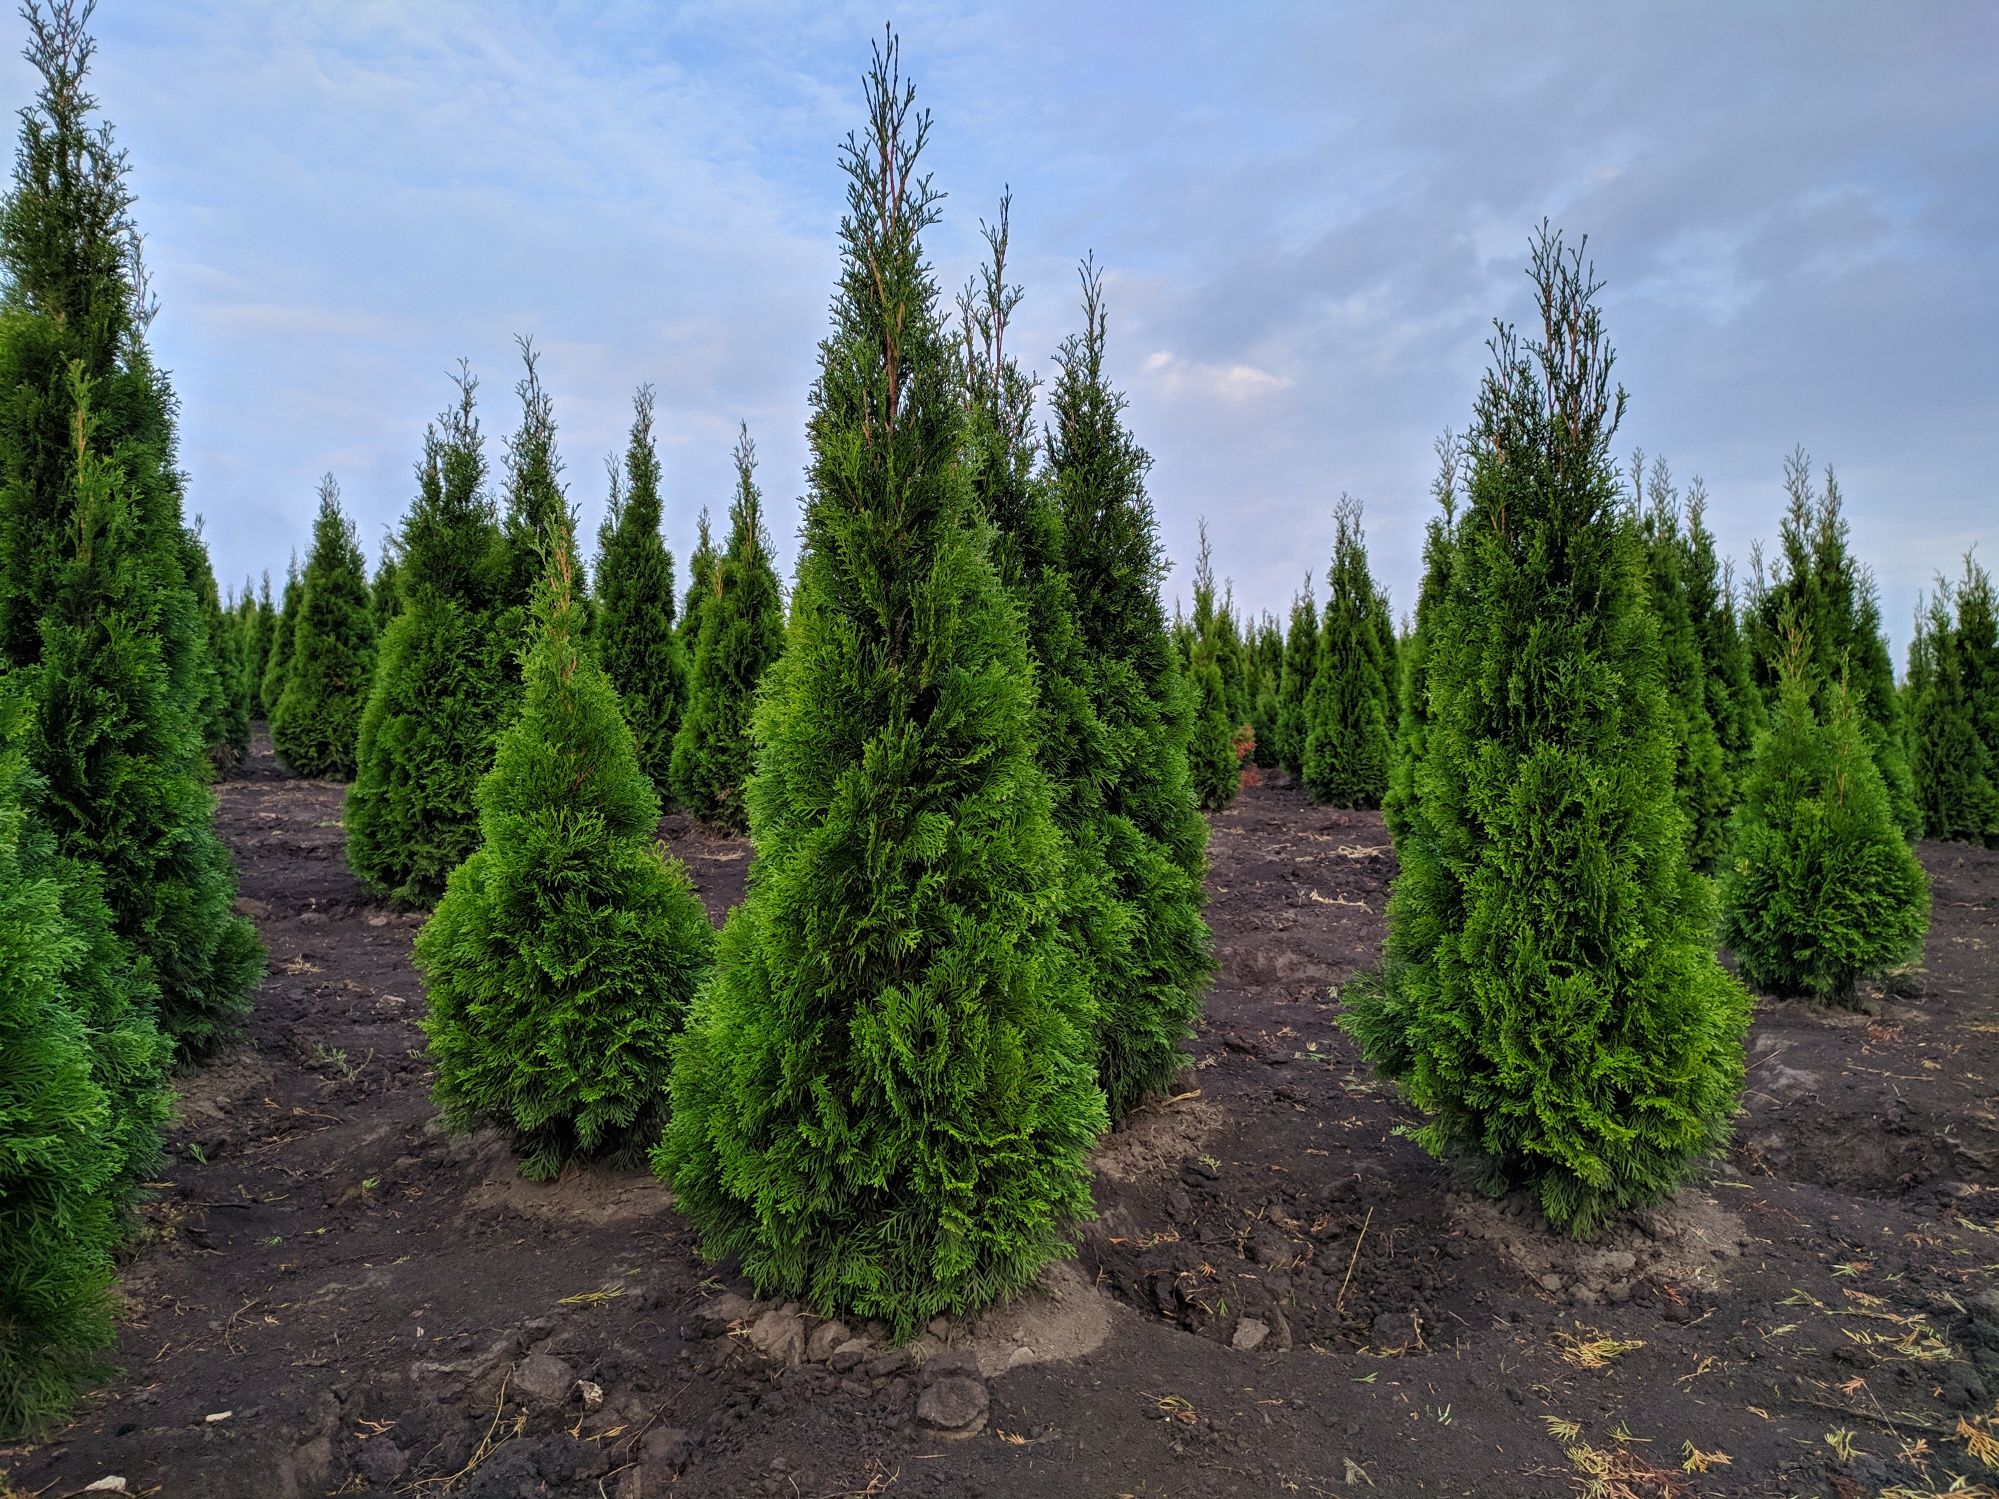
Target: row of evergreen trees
(120, 694)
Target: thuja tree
(635, 635)
(315, 728)
(1294, 685)
(700, 586)
(1952, 764)
(562, 957)
(1733, 705)
(883, 1102)
(271, 686)
(535, 510)
(1266, 671)
(1820, 890)
(1412, 721)
(1815, 583)
(225, 740)
(1212, 757)
(1550, 995)
(263, 636)
(741, 635)
(1346, 711)
(1140, 818)
(441, 689)
(385, 591)
(1700, 772)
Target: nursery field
(1281, 1293)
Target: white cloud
(1231, 384)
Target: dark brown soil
(335, 1297)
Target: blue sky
(1308, 215)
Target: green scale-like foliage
(1213, 761)
(263, 637)
(1412, 691)
(742, 633)
(1734, 706)
(316, 726)
(1550, 995)
(700, 586)
(1978, 653)
(1131, 812)
(1301, 660)
(271, 686)
(442, 688)
(1820, 890)
(1266, 671)
(635, 634)
(883, 1104)
(564, 953)
(224, 740)
(385, 592)
(1347, 708)
(1957, 781)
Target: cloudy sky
(1309, 215)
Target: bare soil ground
(1281, 1294)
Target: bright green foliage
(742, 633)
(277, 663)
(1301, 660)
(635, 635)
(1957, 777)
(1550, 995)
(1231, 658)
(562, 958)
(1266, 672)
(442, 689)
(1213, 760)
(1820, 890)
(1734, 706)
(1347, 709)
(883, 1102)
(224, 740)
(1816, 584)
(316, 726)
(1412, 723)
(700, 586)
(1131, 809)
(1700, 773)
(535, 510)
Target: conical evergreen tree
(1816, 583)
(385, 592)
(1266, 670)
(1232, 659)
(262, 642)
(1550, 994)
(535, 508)
(441, 691)
(315, 727)
(1957, 782)
(1212, 758)
(1301, 660)
(883, 1103)
(562, 958)
(277, 663)
(1820, 889)
(635, 637)
(1734, 707)
(1412, 722)
(742, 634)
(1978, 651)
(1138, 816)
(700, 588)
(244, 621)
(225, 741)
(1346, 711)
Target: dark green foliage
(277, 662)
(742, 633)
(1412, 699)
(535, 509)
(1700, 772)
(700, 587)
(1821, 890)
(1131, 810)
(883, 1102)
(1213, 760)
(1956, 775)
(225, 741)
(1347, 709)
(1301, 660)
(1550, 994)
(385, 593)
(1266, 671)
(1733, 704)
(315, 729)
(561, 961)
(1816, 584)
(635, 635)
(442, 688)
(1231, 658)
(262, 641)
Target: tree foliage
(277, 662)
(1301, 660)
(1347, 708)
(315, 728)
(1953, 756)
(1213, 760)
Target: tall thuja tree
(714, 752)
(225, 741)
(1700, 772)
(315, 729)
(1412, 698)
(1212, 760)
(1550, 995)
(1978, 652)
(245, 621)
(263, 637)
(1821, 890)
(1733, 705)
(1301, 660)
(700, 586)
(385, 591)
(1266, 671)
(883, 1102)
(1142, 820)
(535, 509)
(561, 961)
(1232, 656)
(1815, 583)
(635, 635)
(1957, 783)
(441, 692)
(1346, 711)
(271, 686)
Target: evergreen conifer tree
(700, 587)
(224, 741)
(535, 510)
(1212, 758)
(636, 639)
(1134, 811)
(1820, 890)
(262, 640)
(441, 690)
(1266, 671)
(1734, 708)
(1412, 698)
(1301, 659)
(743, 633)
(1346, 711)
(1957, 782)
(315, 728)
(1550, 995)
(883, 1103)
(243, 623)
(385, 593)
(564, 953)
(277, 663)
(1978, 652)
